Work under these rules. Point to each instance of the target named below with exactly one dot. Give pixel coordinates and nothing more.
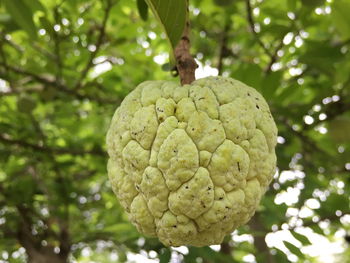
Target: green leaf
(321, 55)
(317, 229)
(312, 3)
(124, 231)
(271, 83)
(341, 18)
(142, 7)
(250, 74)
(22, 15)
(303, 239)
(4, 18)
(293, 249)
(45, 23)
(172, 15)
(291, 4)
(223, 2)
(280, 256)
(35, 5)
(164, 255)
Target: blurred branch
(252, 27)
(6, 140)
(274, 57)
(43, 51)
(309, 223)
(57, 47)
(100, 38)
(332, 110)
(259, 240)
(223, 53)
(59, 86)
(11, 43)
(226, 248)
(304, 138)
(96, 236)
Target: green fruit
(190, 163)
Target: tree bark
(45, 256)
(37, 253)
(259, 241)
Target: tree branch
(309, 223)
(59, 86)
(304, 138)
(185, 63)
(6, 140)
(259, 240)
(226, 248)
(333, 110)
(98, 44)
(252, 27)
(274, 57)
(57, 47)
(223, 53)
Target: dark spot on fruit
(221, 198)
(239, 167)
(192, 129)
(257, 106)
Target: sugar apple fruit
(190, 163)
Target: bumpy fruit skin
(190, 163)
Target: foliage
(66, 65)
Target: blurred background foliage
(66, 65)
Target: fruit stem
(185, 63)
